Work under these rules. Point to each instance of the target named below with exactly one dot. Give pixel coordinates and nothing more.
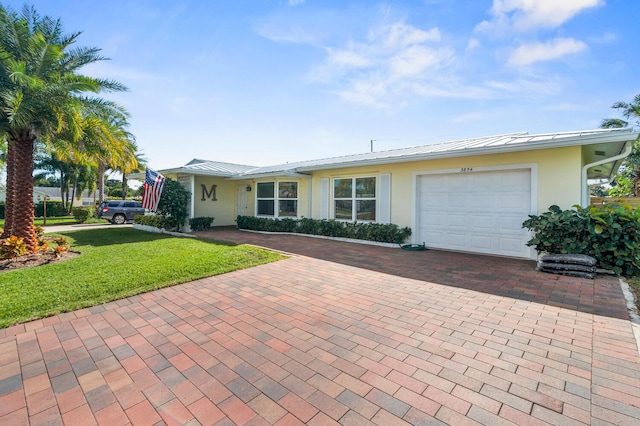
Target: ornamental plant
(379, 232)
(12, 247)
(609, 233)
(200, 223)
(81, 214)
(173, 205)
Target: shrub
(173, 204)
(81, 214)
(62, 246)
(200, 223)
(54, 208)
(12, 247)
(384, 233)
(155, 221)
(609, 233)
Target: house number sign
(466, 169)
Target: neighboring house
(468, 195)
(53, 194)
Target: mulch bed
(32, 260)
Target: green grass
(60, 220)
(116, 263)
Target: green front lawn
(116, 263)
(60, 220)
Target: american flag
(152, 189)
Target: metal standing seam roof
(520, 141)
(214, 168)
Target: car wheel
(119, 219)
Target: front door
(242, 200)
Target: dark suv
(120, 211)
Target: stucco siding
(223, 208)
(558, 177)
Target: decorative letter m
(210, 193)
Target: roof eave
(467, 152)
(286, 174)
(183, 170)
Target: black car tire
(119, 219)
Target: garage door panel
(482, 222)
(510, 245)
(433, 219)
(458, 221)
(513, 201)
(482, 202)
(460, 202)
(478, 212)
(513, 224)
(456, 240)
(481, 242)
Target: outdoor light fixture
(248, 188)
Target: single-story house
(86, 198)
(467, 195)
(53, 194)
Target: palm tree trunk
(73, 193)
(23, 213)
(101, 170)
(124, 186)
(11, 190)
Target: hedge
(384, 233)
(150, 220)
(200, 223)
(54, 209)
(610, 234)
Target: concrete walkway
(311, 341)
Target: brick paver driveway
(307, 340)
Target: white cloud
(473, 44)
(399, 35)
(529, 87)
(382, 69)
(530, 53)
(527, 15)
(296, 2)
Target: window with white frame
(285, 199)
(354, 199)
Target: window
(265, 195)
(355, 199)
(286, 199)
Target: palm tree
(627, 180)
(132, 167)
(105, 144)
(41, 95)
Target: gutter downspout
(584, 201)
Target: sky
(263, 82)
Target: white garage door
(478, 212)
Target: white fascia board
(285, 174)
(188, 171)
(467, 152)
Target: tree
(41, 95)
(105, 144)
(131, 167)
(626, 183)
(174, 204)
